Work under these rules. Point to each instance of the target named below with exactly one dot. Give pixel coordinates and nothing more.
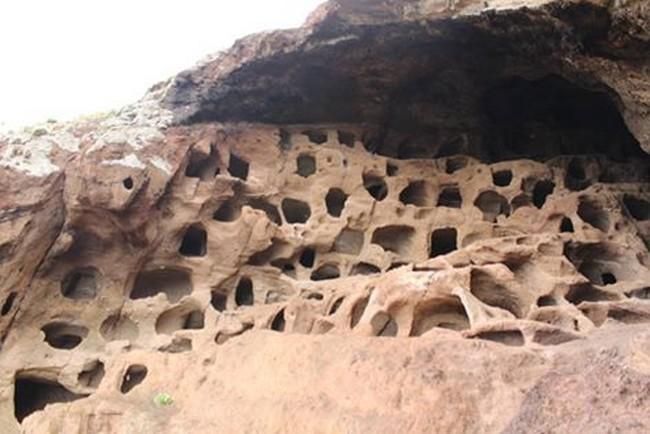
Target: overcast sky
(63, 58)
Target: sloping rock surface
(404, 216)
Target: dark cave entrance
(33, 394)
(496, 119)
(552, 116)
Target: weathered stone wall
(402, 217)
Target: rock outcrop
(404, 216)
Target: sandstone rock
(405, 216)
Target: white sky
(64, 58)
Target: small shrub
(163, 400)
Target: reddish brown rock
(405, 216)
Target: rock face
(405, 216)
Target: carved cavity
(358, 310)
(364, 268)
(228, 211)
(394, 238)
(306, 165)
(285, 266)
(349, 241)
(335, 201)
(118, 327)
(307, 257)
(455, 164)
(270, 210)
(383, 324)
(92, 376)
(575, 178)
(492, 204)
(641, 293)
(521, 200)
(443, 241)
(8, 304)
(218, 300)
(177, 345)
(601, 263)
(80, 284)
(275, 250)
(201, 165)
(238, 167)
(512, 338)
(418, 193)
(375, 186)
(639, 209)
(326, 272)
(541, 191)
(317, 137)
(128, 183)
(174, 283)
(450, 197)
(586, 292)
(194, 241)
(486, 288)
(566, 225)
(502, 178)
(592, 212)
(346, 138)
(134, 375)
(64, 336)
(279, 323)
(392, 169)
(244, 295)
(444, 313)
(32, 394)
(295, 211)
(179, 318)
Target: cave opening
(117, 327)
(174, 283)
(349, 241)
(93, 375)
(394, 238)
(179, 318)
(417, 193)
(376, 186)
(228, 211)
(326, 272)
(269, 209)
(80, 284)
(201, 165)
(134, 375)
(244, 295)
(194, 242)
(295, 211)
(306, 165)
(218, 300)
(33, 394)
(552, 116)
(307, 257)
(335, 201)
(9, 303)
(443, 241)
(450, 197)
(278, 324)
(238, 167)
(497, 118)
(64, 336)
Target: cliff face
(405, 216)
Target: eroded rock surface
(402, 217)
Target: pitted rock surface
(405, 216)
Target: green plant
(163, 400)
